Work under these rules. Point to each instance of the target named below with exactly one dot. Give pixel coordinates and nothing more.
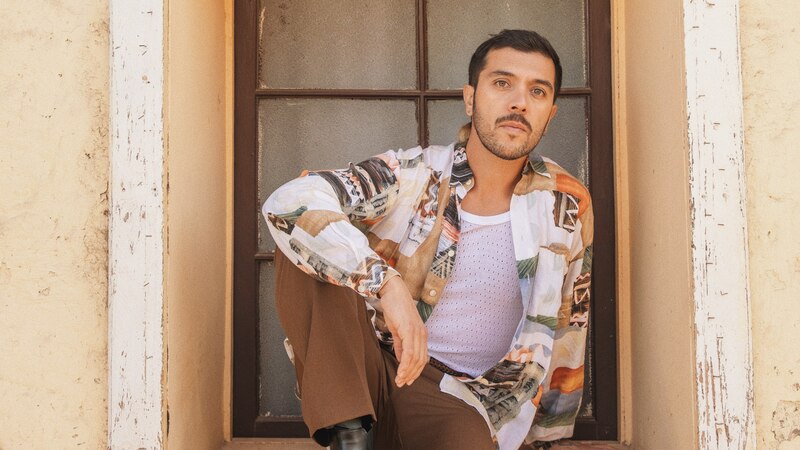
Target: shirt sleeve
(319, 221)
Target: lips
(514, 126)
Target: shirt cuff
(388, 274)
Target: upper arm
(362, 192)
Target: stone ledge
(270, 444)
(591, 445)
(308, 444)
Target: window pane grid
(423, 97)
(388, 93)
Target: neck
(493, 175)
(495, 179)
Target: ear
(553, 112)
(468, 93)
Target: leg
(428, 418)
(344, 374)
(338, 362)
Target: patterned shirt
(397, 214)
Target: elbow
(282, 209)
(268, 209)
(269, 206)
(273, 212)
(276, 217)
(275, 204)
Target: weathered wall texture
(53, 226)
(196, 223)
(770, 39)
(661, 311)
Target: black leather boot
(349, 439)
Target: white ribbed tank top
(472, 326)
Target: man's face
(513, 102)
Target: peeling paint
(719, 226)
(136, 216)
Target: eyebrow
(509, 74)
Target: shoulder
(565, 182)
(435, 157)
(544, 174)
(439, 157)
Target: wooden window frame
(246, 258)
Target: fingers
(402, 358)
(409, 333)
(398, 353)
(421, 355)
(412, 353)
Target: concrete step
(308, 444)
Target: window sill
(308, 444)
(593, 445)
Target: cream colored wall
(770, 39)
(196, 222)
(657, 318)
(657, 347)
(53, 225)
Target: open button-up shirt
(396, 214)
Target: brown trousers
(344, 373)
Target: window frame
(246, 257)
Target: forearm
(408, 331)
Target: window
(318, 84)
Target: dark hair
(522, 40)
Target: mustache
(514, 118)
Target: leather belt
(442, 367)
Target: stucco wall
(770, 39)
(196, 222)
(653, 142)
(53, 225)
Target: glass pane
(358, 44)
(445, 117)
(277, 380)
(567, 138)
(457, 27)
(566, 141)
(297, 134)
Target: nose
(519, 101)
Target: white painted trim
(719, 225)
(136, 226)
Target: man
(474, 261)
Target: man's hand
(409, 333)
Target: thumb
(398, 348)
(399, 378)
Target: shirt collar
(462, 178)
(461, 175)
(536, 163)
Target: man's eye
(539, 92)
(501, 83)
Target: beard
(492, 139)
